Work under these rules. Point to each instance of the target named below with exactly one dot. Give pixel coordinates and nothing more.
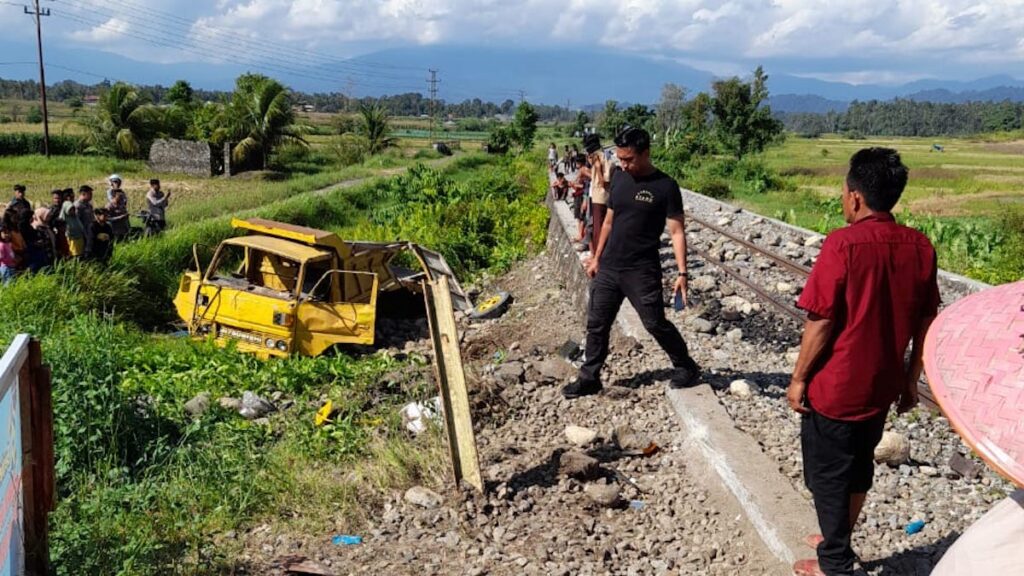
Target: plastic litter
(914, 527)
(416, 414)
(637, 504)
(346, 540)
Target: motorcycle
(150, 226)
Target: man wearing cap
(873, 290)
(627, 262)
(19, 202)
(115, 185)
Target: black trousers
(643, 290)
(838, 461)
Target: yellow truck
(281, 289)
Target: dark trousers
(643, 290)
(838, 461)
(597, 212)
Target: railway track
(764, 293)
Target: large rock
(703, 283)
(893, 449)
(630, 441)
(578, 465)
(734, 302)
(198, 405)
(253, 406)
(423, 497)
(580, 436)
(554, 369)
(605, 495)
(510, 373)
(701, 325)
(743, 388)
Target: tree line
(902, 117)
(407, 104)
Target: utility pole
(522, 96)
(433, 101)
(42, 72)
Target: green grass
(967, 199)
(146, 489)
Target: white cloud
(109, 31)
(937, 34)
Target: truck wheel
(492, 307)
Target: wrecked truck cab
(282, 289)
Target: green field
(968, 198)
(143, 487)
(971, 177)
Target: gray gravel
(925, 488)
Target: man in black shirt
(19, 202)
(627, 264)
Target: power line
(232, 40)
(164, 41)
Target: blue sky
(880, 42)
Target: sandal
(807, 567)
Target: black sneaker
(685, 377)
(578, 388)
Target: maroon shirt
(876, 280)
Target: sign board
(12, 541)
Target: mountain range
(553, 76)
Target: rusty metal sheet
(974, 359)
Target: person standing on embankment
(873, 289)
(626, 263)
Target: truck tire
(492, 307)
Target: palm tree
(375, 126)
(259, 117)
(124, 123)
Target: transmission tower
(433, 81)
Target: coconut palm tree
(259, 118)
(124, 123)
(375, 126)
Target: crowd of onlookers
(582, 180)
(34, 239)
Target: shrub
(34, 116)
(713, 187)
(21, 144)
(350, 149)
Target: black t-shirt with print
(641, 206)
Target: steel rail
(797, 268)
(924, 392)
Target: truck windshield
(254, 270)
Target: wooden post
(37, 479)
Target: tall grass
(146, 489)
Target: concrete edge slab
(777, 512)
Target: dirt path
(535, 519)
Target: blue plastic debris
(346, 540)
(914, 527)
(637, 504)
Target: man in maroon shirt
(872, 291)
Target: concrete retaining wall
(731, 464)
(184, 156)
